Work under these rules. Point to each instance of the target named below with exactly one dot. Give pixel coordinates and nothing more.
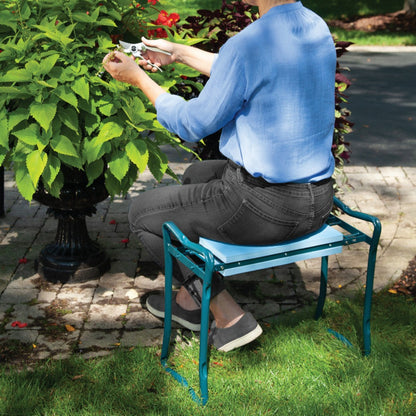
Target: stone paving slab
(92, 318)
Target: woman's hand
(158, 58)
(122, 68)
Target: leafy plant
(58, 110)
(343, 126)
(220, 24)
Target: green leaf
(94, 170)
(69, 117)
(92, 150)
(3, 153)
(68, 30)
(112, 184)
(52, 168)
(17, 116)
(55, 36)
(82, 17)
(158, 163)
(33, 67)
(52, 83)
(13, 92)
(17, 75)
(108, 109)
(92, 121)
(71, 161)
(43, 113)
(81, 88)
(134, 109)
(29, 135)
(5, 20)
(105, 42)
(342, 86)
(24, 182)
(138, 153)
(119, 165)
(56, 186)
(62, 145)
(106, 22)
(65, 94)
(186, 70)
(36, 162)
(4, 133)
(48, 63)
(109, 131)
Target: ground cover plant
(295, 368)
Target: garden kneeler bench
(208, 257)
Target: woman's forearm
(195, 58)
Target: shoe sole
(245, 339)
(179, 320)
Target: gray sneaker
(242, 332)
(188, 319)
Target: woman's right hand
(158, 58)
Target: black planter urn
(72, 254)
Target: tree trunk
(410, 6)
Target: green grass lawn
(295, 368)
(331, 9)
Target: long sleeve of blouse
(271, 91)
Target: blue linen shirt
(271, 90)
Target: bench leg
(322, 287)
(203, 342)
(368, 299)
(168, 308)
(203, 349)
(168, 326)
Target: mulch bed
(407, 282)
(392, 22)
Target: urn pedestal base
(73, 255)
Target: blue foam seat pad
(231, 253)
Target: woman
(271, 91)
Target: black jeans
(221, 201)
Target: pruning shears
(138, 49)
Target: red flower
(164, 19)
(19, 324)
(153, 2)
(112, 222)
(125, 240)
(23, 260)
(173, 19)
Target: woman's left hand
(122, 67)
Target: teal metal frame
(203, 263)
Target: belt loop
(240, 174)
